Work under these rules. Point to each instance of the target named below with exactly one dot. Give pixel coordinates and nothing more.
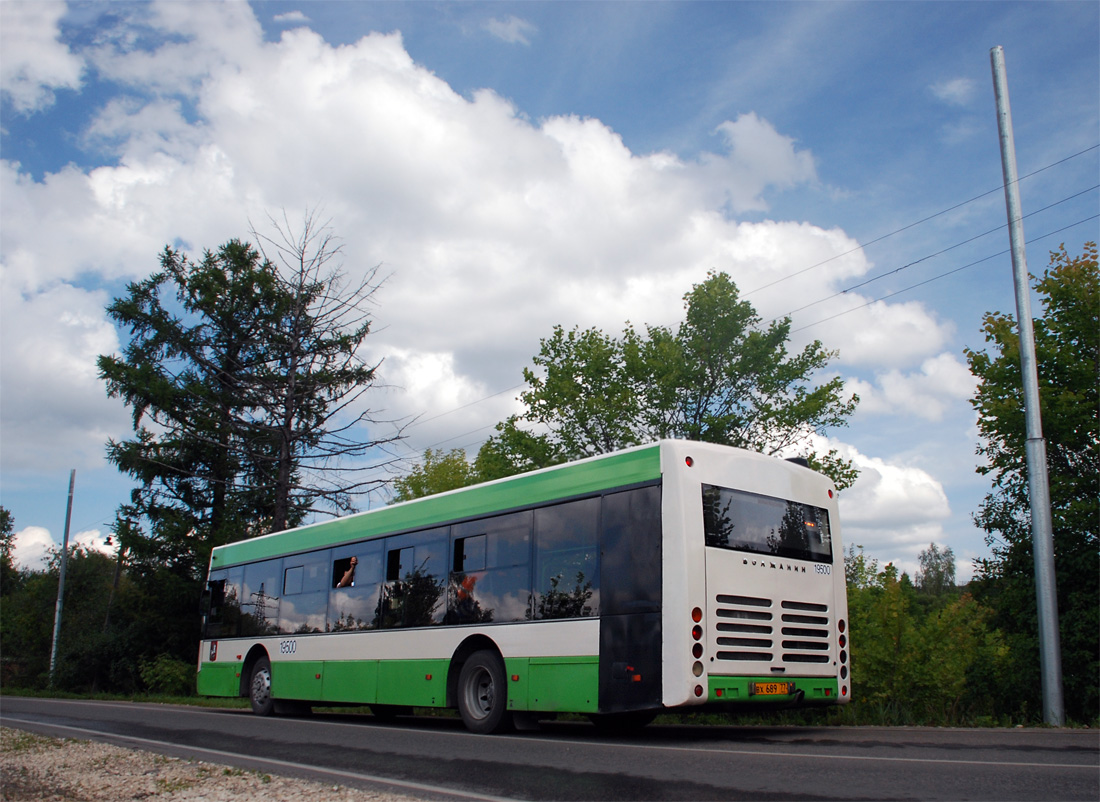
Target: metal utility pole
(1042, 539)
(61, 578)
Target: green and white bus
(663, 577)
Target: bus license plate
(771, 688)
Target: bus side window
(340, 569)
(214, 601)
(567, 582)
(469, 554)
(354, 606)
(292, 580)
(490, 579)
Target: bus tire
(483, 694)
(259, 688)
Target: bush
(165, 674)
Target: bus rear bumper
(772, 692)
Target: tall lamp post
(61, 578)
(1038, 483)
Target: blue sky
(516, 165)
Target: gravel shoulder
(35, 767)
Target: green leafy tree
(1068, 361)
(8, 575)
(246, 387)
(914, 665)
(185, 374)
(860, 570)
(514, 450)
(937, 570)
(439, 471)
(720, 377)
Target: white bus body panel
(696, 576)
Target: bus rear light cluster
(697, 647)
(843, 641)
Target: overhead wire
(943, 275)
(864, 245)
(940, 252)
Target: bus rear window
(739, 521)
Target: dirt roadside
(34, 767)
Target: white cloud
(35, 63)
(493, 227)
(32, 548)
(759, 157)
(881, 333)
(941, 381)
(55, 409)
(955, 92)
(894, 510)
(512, 30)
(94, 540)
(34, 545)
(290, 17)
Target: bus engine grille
(749, 629)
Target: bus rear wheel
(483, 694)
(259, 688)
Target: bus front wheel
(259, 688)
(483, 694)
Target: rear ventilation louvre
(747, 624)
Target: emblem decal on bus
(798, 569)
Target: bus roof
(621, 468)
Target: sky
(513, 166)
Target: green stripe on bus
(219, 679)
(564, 684)
(589, 476)
(550, 684)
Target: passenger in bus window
(349, 575)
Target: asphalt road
(437, 759)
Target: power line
(904, 267)
(420, 421)
(942, 275)
(913, 225)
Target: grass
(18, 741)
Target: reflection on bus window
(355, 606)
(305, 594)
(566, 552)
(260, 598)
(741, 521)
(416, 569)
(490, 577)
